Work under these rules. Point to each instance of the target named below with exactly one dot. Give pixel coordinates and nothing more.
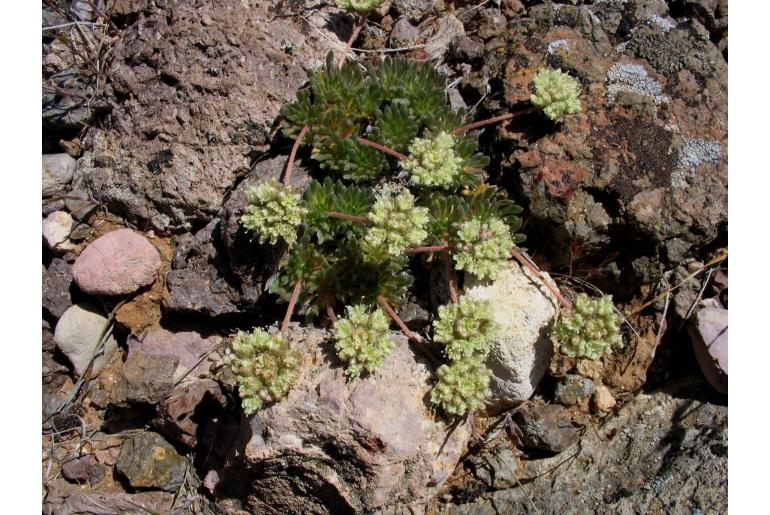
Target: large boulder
(200, 85)
(524, 311)
(339, 446)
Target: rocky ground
(158, 115)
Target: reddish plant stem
(350, 218)
(413, 337)
(381, 148)
(293, 155)
(494, 119)
(451, 277)
(331, 314)
(292, 304)
(431, 248)
(532, 268)
(353, 36)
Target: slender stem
(350, 218)
(532, 268)
(331, 314)
(415, 338)
(383, 302)
(494, 119)
(353, 36)
(292, 303)
(431, 248)
(451, 277)
(293, 155)
(381, 148)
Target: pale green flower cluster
(591, 329)
(359, 5)
(433, 162)
(396, 223)
(275, 212)
(363, 340)
(462, 386)
(265, 366)
(484, 247)
(466, 328)
(556, 93)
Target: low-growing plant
(591, 329)
(404, 181)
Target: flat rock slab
(148, 461)
(145, 378)
(77, 335)
(187, 347)
(118, 263)
(337, 446)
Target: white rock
(56, 228)
(77, 335)
(524, 310)
(58, 170)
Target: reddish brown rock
(118, 263)
(181, 413)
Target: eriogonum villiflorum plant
(362, 340)
(483, 248)
(466, 328)
(396, 223)
(591, 329)
(462, 386)
(275, 212)
(265, 365)
(359, 5)
(556, 93)
(355, 238)
(433, 162)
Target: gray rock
(80, 233)
(685, 297)
(495, 468)
(414, 316)
(187, 347)
(79, 204)
(118, 263)
(415, 10)
(491, 23)
(186, 408)
(222, 269)
(465, 49)
(58, 170)
(77, 336)
(574, 390)
(57, 281)
(59, 502)
(403, 34)
(147, 461)
(144, 379)
(675, 250)
(546, 427)
(79, 469)
(347, 446)
(446, 30)
(524, 311)
(660, 453)
(708, 332)
(197, 112)
(56, 228)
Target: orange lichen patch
(561, 178)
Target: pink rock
(118, 263)
(187, 346)
(352, 446)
